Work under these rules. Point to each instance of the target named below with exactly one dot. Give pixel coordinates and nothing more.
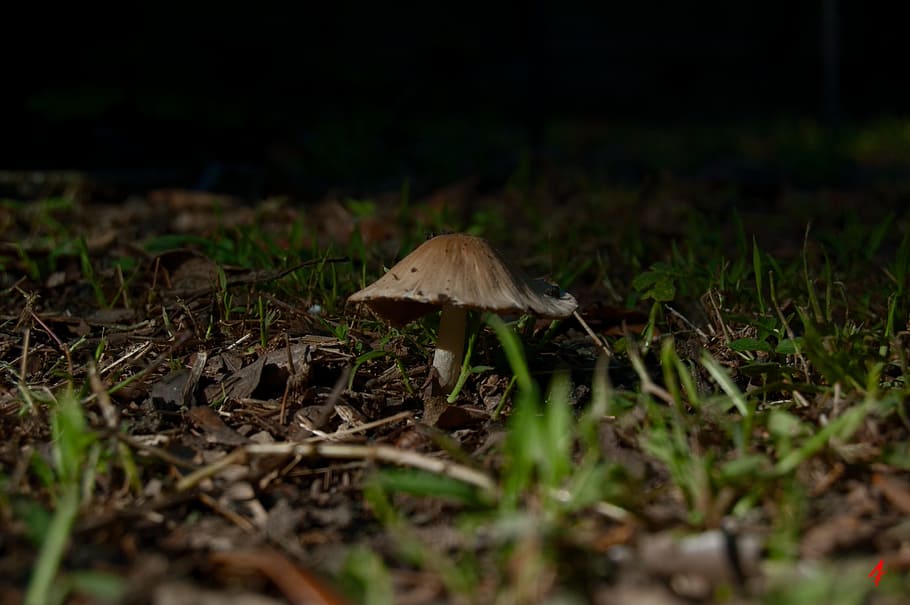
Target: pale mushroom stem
(450, 345)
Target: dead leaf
(837, 533)
(298, 586)
(456, 417)
(106, 317)
(895, 491)
(168, 392)
(239, 385)
(206, 418)
(194, 273)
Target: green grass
(754, 370)
(77, 457)
(821, 322)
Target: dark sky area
(308, 97)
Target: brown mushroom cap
(461, 271)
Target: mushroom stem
(450, 345)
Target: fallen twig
(360, 427)
(381, 453)
(597, 339)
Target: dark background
(306, 98)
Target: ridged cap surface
(463, 271)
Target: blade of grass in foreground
(513, 351)
(71, 444)
(53, 546)
(745, 409)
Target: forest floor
(190, 413)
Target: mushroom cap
(462, 271)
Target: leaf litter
(249, 461)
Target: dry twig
(381, 453)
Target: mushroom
(458, 272)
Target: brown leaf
(456, 417)
(206, 418)
(298, 586)
(194, 273)
(835, 534)
(168, 391)
(241, 384)
(895, 491)
(106, 317)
